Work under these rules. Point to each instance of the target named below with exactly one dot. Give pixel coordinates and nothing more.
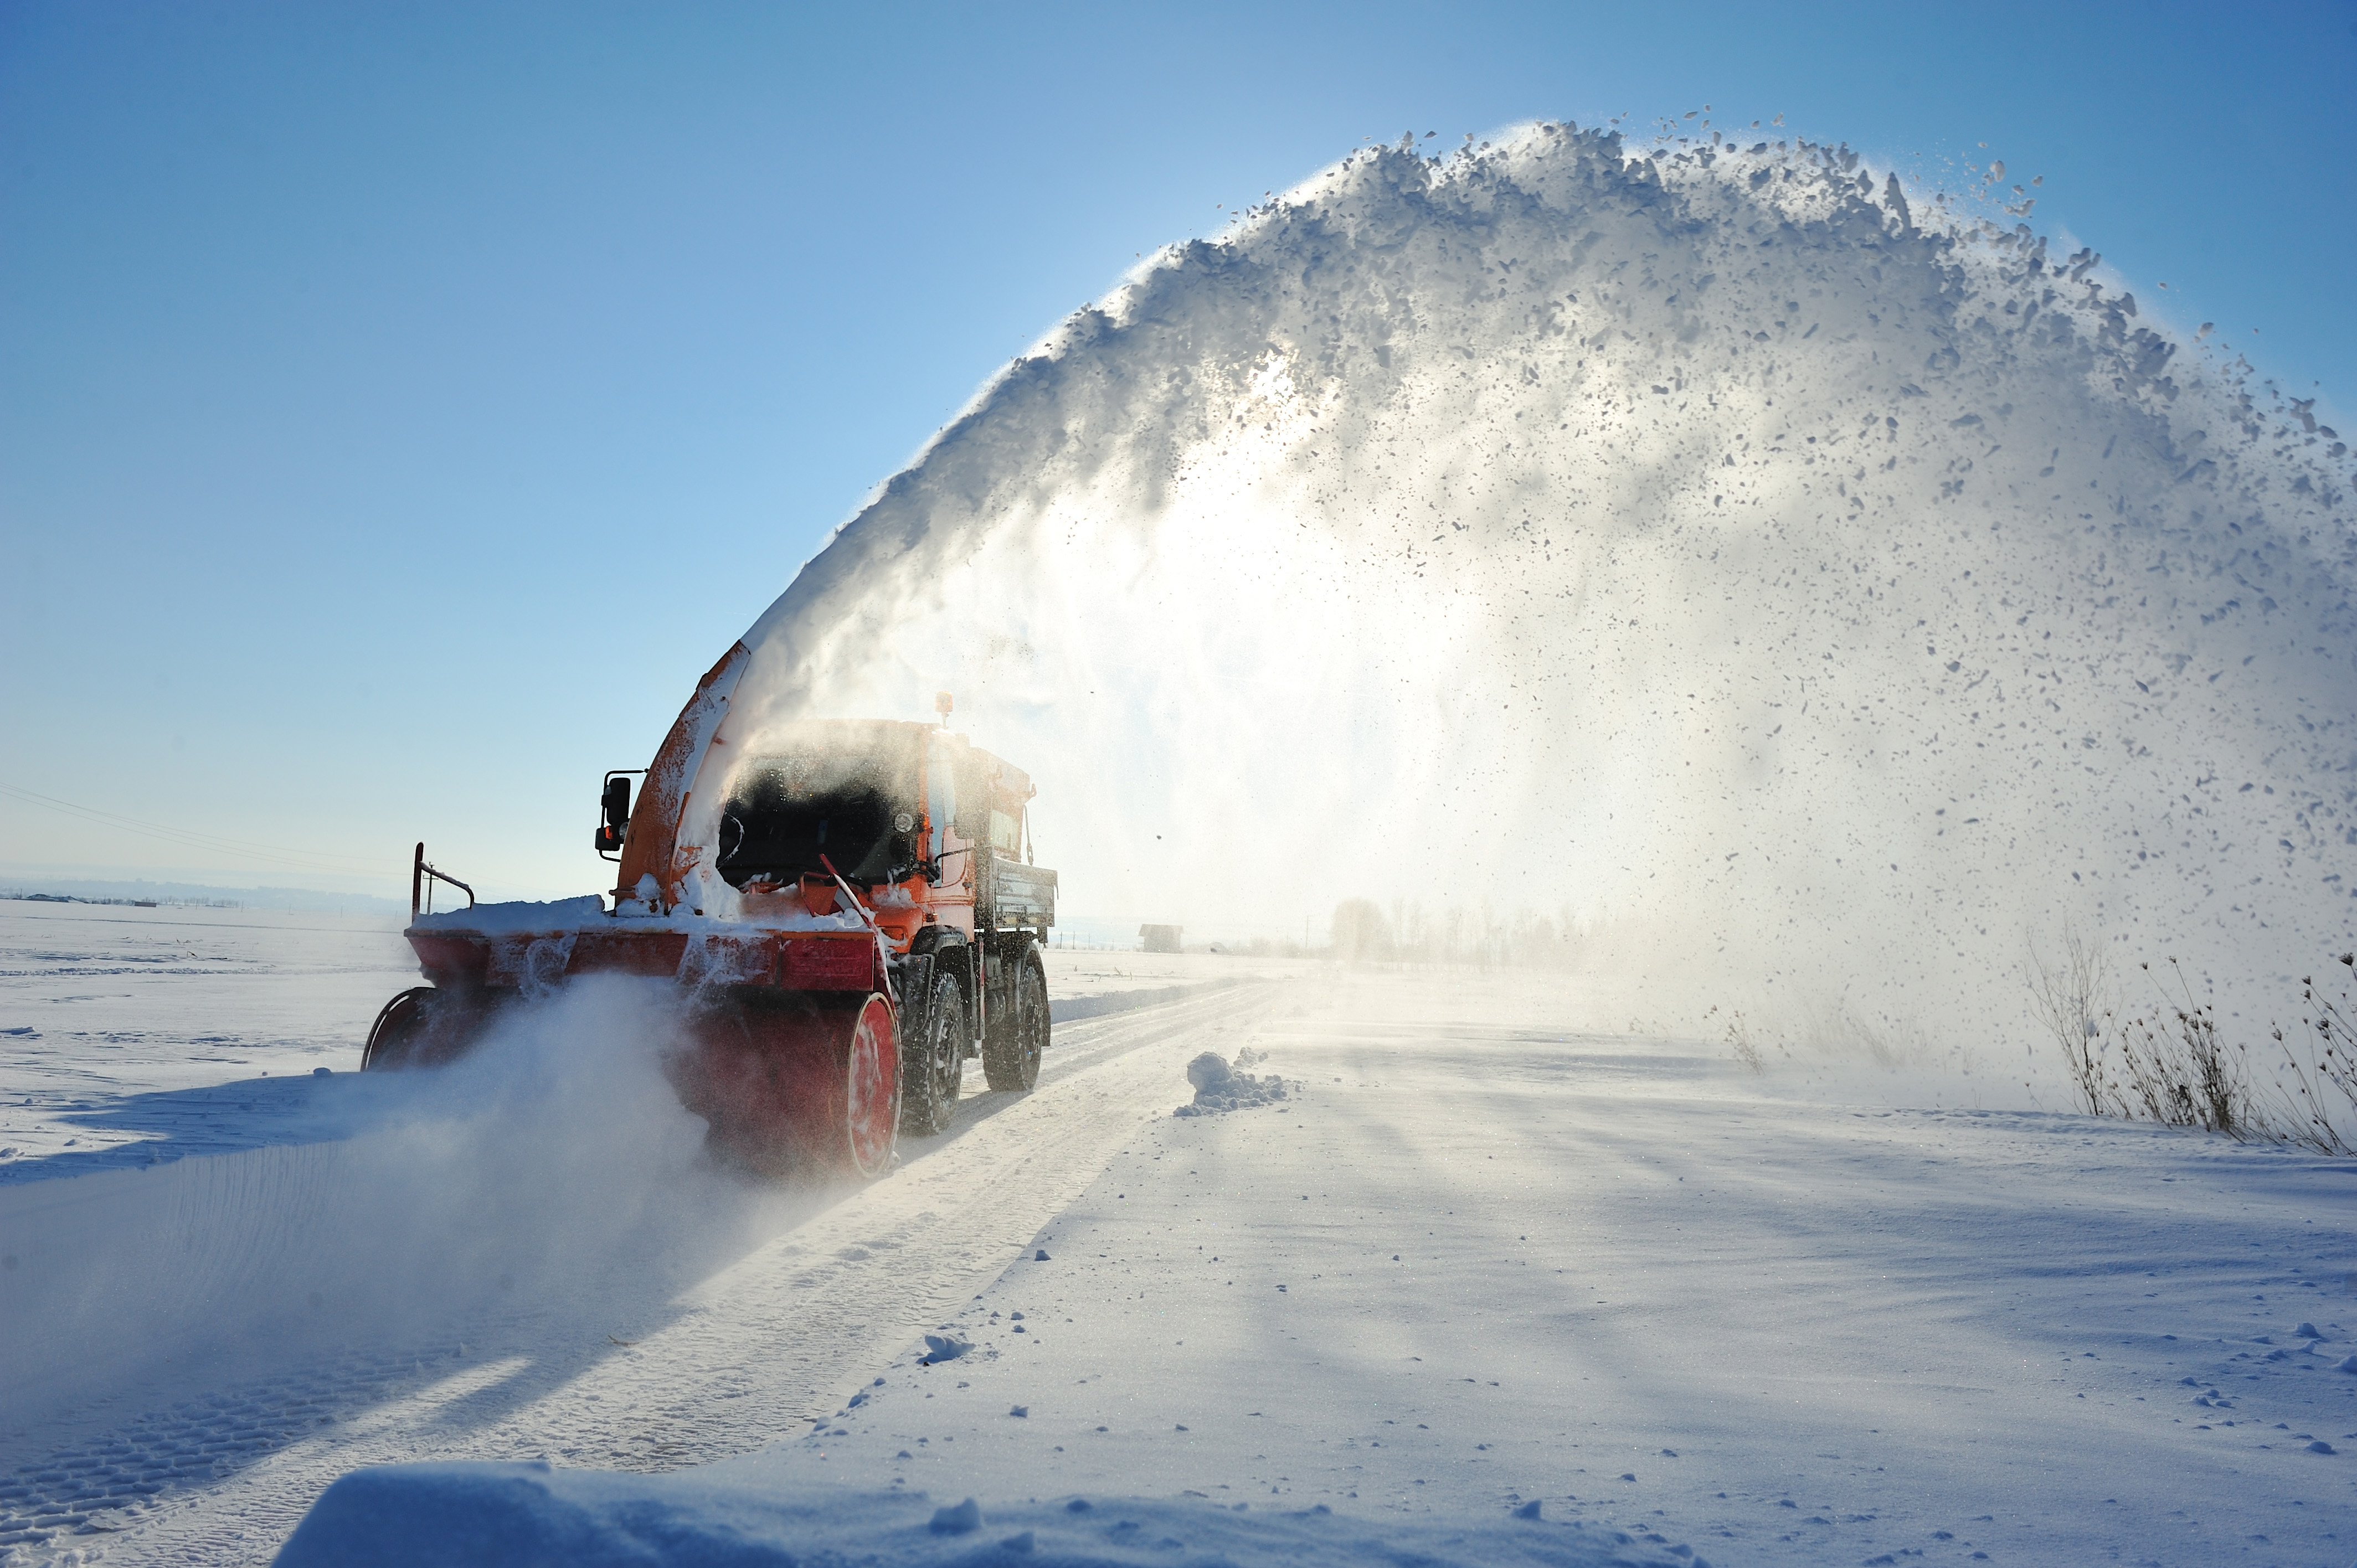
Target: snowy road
(805, 1292)
(1478, 1264)
(1476, 1260)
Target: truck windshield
(783, 813)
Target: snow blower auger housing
(848, 909)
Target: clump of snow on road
(1220, 1086)
(945, 1347)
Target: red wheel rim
(872, 1090)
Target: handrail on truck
(421, 878)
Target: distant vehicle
(863, 918)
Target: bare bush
(2172, 1065)
(2175, 1070)
(2318, 1082)
(1739, 1043)
(2072, 999)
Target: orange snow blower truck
(848, 910)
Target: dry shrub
(1739, 1043)
(2071, 998)
(2174, 1070)
(2317, 1083)
(2169, 1065)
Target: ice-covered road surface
(1476, 1260)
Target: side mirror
(616, 803)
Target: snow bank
(1806, 595)
(517, 1516)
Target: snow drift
(1808, 593)
(532, 1514)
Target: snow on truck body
(848, 907)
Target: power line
(213, 844)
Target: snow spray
(1811, 593)
(552, 1171)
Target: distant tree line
(1364, 932)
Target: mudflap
(795, 1083)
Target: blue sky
(399, 406)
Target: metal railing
(421, 878)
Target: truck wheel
(423, 1026)
(1010, 1050)
(933, 1065)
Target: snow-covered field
(1480, 1257)
(132, 1033)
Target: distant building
(1160, 939)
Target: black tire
(1011, 1047)
(393, 1037)
(423, 1026)
(932, 1060)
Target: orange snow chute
(650, 847)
